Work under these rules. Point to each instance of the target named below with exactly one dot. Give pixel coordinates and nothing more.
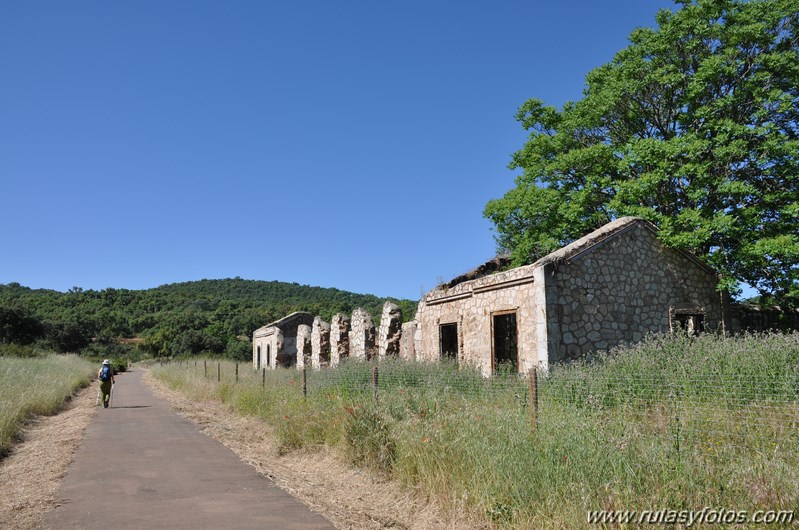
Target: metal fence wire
(717, 406)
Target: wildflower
(425, 439)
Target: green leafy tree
(694, 127)
(18, 325)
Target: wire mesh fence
(674, 421)
(736, 404)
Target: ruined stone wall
(339, 338)
(471, 306)
(320, 343)
(271, 343)
(388, 335)
(259, 351)
(407, 346)
(623, 288)
(362, 335)
(303, 344)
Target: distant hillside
(180, 318)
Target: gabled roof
(605, 233)
(298, 317)
(594, 238)
(485, 277)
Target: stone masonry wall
(339, 338)
(471, 306)
(303, 345)
(407, 347)
(388, 335)
(624, 288)
(362, 335)
(320, 343)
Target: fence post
(375, 380)
(237, 372)
(205, 368)
(263, 377)
(304, 382)
(218, 372)
(533, 376)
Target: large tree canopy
(694, 127)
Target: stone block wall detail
(627, 287)
(471, 307)
(362, 335)
(303, 346)
(339, 338)
(320, 343)
(407, 346)
(388, 335)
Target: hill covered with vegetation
(209, 316)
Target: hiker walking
(106, 377)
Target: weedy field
(36, 385)
(675, 422)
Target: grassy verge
(673, 423)
(36, 386)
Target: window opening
(690, 323)
(448, 340)
(505, 342)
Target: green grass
(36, 386)
(674, 422)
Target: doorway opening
(505, 351)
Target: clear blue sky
(346, 144)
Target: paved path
(141, 465)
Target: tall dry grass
(36, 386)
(675, 422)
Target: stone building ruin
(320, 343)
(362, 335)
(608, 288)
(390, 330)
(407, 348)
(339, 338)
(303, 345)
(275, 344)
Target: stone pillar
(320, 343)
(303, 345)
(388, 335)
(339, 338)
(407, 346)
(281, 357)
(362, 335)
